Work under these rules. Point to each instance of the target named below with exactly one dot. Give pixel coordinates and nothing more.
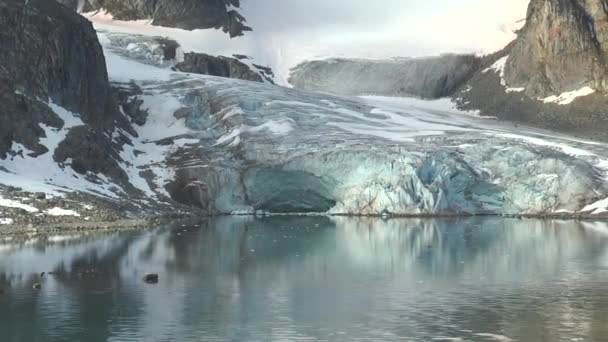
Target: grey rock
(562, 47)
(430, 77)
(222, 66)
(184, 14)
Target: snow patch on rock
(568, 97)
(42, 173)
(56, 211)
(499, 68)
(15, 204)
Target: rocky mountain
(563, 47)
(431, 77)
(553, 75)
(184, 14)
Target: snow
(14, 204)
(569, 97)
(562, 99)
(211, 41)
(597, 207)
(280, 127)
(6, 221)
(42, 173)
(56, 211)
(443, 104)
(542, 142)
(124, 70)
(499, 68)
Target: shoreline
(148, 222)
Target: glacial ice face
(234, 146)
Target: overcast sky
(382, 28)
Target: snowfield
(242, 147)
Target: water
(314, 279)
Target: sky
(308, 29)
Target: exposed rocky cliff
(554, 75)
(562, 47)
(59, 112)
(223, 66)
(430, 77)
(184, 14)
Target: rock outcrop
(430, 77)
(200, 63)
(562, 47)
(554, 75)
(184, 14)
(52, 63)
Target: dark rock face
(184, 14)
(50, 53)
(562, 47)
(431, 77)
(222, 66)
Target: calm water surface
(313, 279)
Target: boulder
(151, 278)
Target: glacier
(232, 146)
(239, 147)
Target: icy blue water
(314, 279)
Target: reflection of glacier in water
(315, 278)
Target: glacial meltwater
(312, 279)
